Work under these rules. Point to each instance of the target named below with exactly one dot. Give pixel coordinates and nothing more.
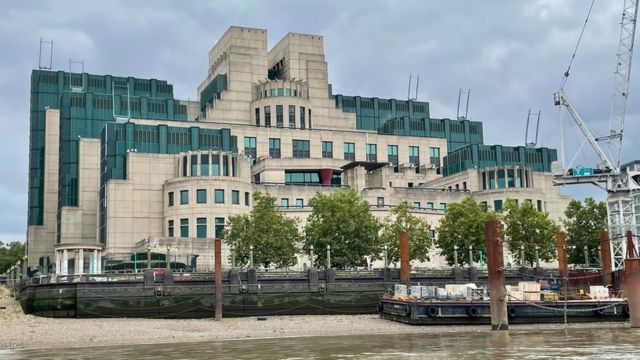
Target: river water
(619, 343)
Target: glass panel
(201, 227)
(219, 196)
(235, 197)
(299, 203)
(284, 202)
(201, 195)
(184, 197)
(171, 198)
(184, 227)
(279, 116)
(219, 227)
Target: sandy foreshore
(19, 331)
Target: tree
(10, 254)
(583, 224)
(399, 219)
(528, 227)
(272, 235)
(344, 221)
(462, 226)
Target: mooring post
(404, 258)
(217, 249)
(632, 277)
(495, 269)
(562, 258)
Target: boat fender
(512, 311)
(407, 310)
(432, 311)
(599, 310)
(473, 312)
(380, 307)
(625, 309)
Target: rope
(568, 310)
(575, 50)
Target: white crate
(515, 295)
(529, 286)
(532, 296)
(416, 291)
(399, 290)
(598, 292)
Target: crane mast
(623, 200)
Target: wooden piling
(562, 257)
(605, 255)
(632, 280)
(218, 277)
(404, 258)
(495, 268)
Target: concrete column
(562, 257)
(94, 262)
(495, 268)
(218, 277)
(58, 263)
(99, 262)
(65, 263)
(80, 262)
(404, 258)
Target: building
(118, 166)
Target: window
(492, 180)
(301, 177)
(414, 157)
(201, 227)
(432, 234)
(267, 116)
(184, 227)
(380, 201)
(350, 151)
(201, 196)
(219, 196)
(299, 203)
(250, 147)
(184, 165)
(443, 206)
(219, 230)
(484, 206)
(279, 116)
(302, 122)
(171, 198)
(284, 202)
(392, 156)
(327, 149)
(497, 205)
(429, 206)
(235, 197)
(511, 181)
(247, 198)
(372, 152)
(257, 116)
(301, 149)
(501, 182)
(274, 148)
(170, 229)
(194, 165)
(292, 116)
(225, 165)
(434, 156)
(184, 197)
(416, 205)
(309, 118)
(215, 164)
(539, 205)
(464, 185)
(204, 165)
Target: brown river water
(619, 343)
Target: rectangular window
(219, 227)
(464, 185)
(194, 165)
(327, 150)
(170, 232)
(215, 164)
(414, 157)
(247, 198)
(204, 165)
(201, 227)
(284, 203)
(184, 165)
(309, 118)
(501, 180)
(292, 116)
(301, 149)
(257, 116)
(511, 181)
(250, 147)
(184, 197)
(302, 122)
(201, 196)
(380, 201)
(225, 165)
(539, 204)
(497, 205)
(235, 197)
(484, 206)
(434, 156)
(443, 206)
(219, 194)
(372, 152)
(416, 205)
(350, 151)
(267, 116)
(492, 179)
(299, 203)
(274, 148)
(171, 198)
(429, 206)
(184, 228)
(432, 234)
(279, 116)
(392, 156)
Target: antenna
(409, 88)
(44, 66)
(461, 95)
(73, 63)
(526, 134)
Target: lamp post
(311, 259)
(148, 257)
(537, 256)
(168, 258)
(328, 256)
(233, 257)
(385, 254)
(455, 255)
(586, 256)
(470, 255)
(522, 255)
(250, 256)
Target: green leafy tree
(528, 227)
(272, 235)
(344, 221)
(401, 218)
(10, 254)
(583, 224)
(463, 226)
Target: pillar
(58, 263)
(495, 269)
(65, 263)
(404, 258)
(98, 261)
(562, 257)
(632, 280)
(605, 256)
(218, 277)
(80, 262)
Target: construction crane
(621, 183)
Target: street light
(537, 256)
(522, 255)
(470, 255)
(250, 256)
(386, 248)
(455, 255)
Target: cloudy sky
(511, 54)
